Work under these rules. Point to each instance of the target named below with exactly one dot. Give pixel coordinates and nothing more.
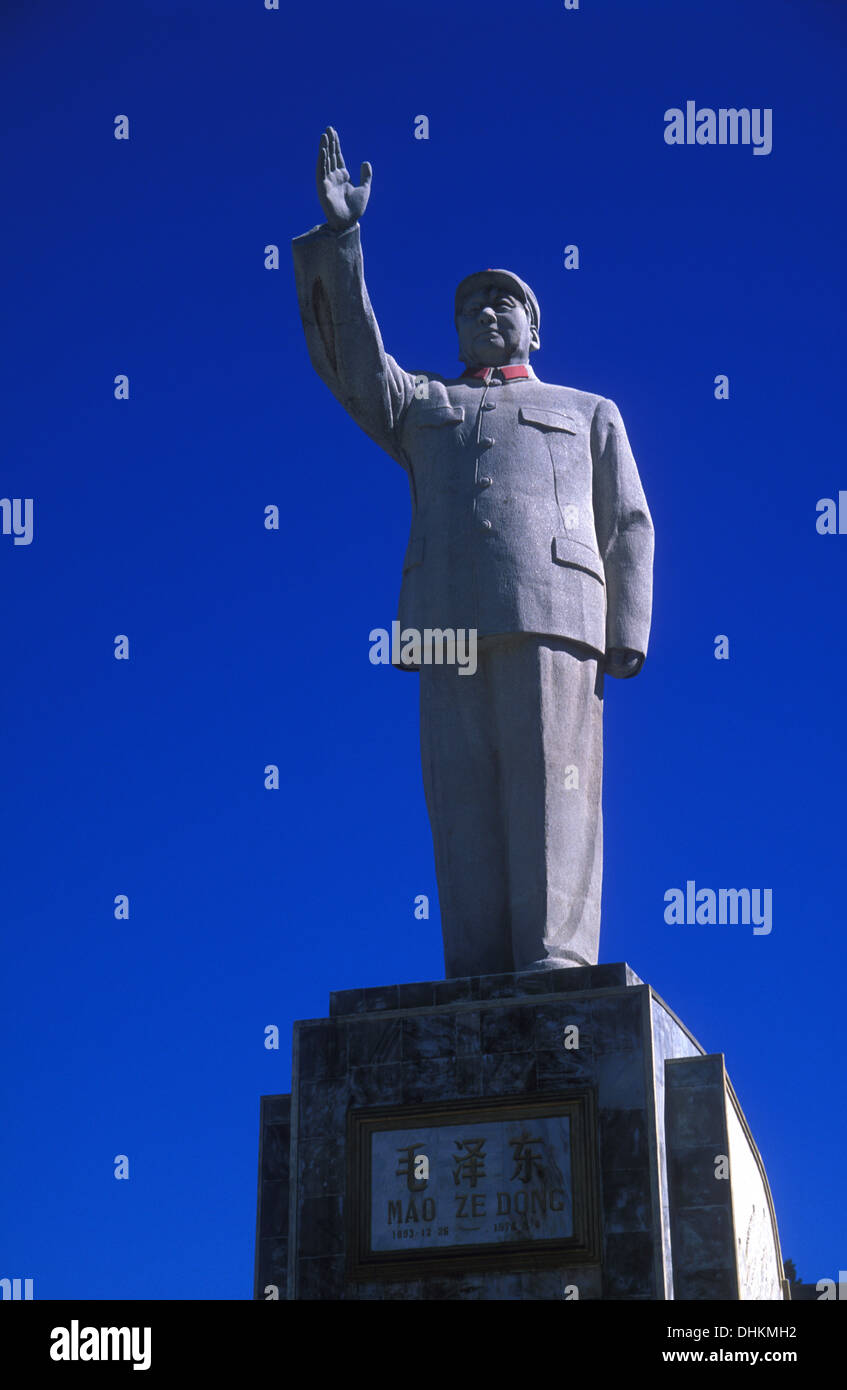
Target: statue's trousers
(512, 762)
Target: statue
(530, 529)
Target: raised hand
(342, 201)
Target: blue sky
(247, 647)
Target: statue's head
(497, 319)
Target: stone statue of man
(529, 526)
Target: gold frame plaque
(583, 1246)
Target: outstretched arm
(342, 334)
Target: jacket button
(485, 482)
(486, 525)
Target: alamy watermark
(433, 646)
(729, 125)
(77, 1343)
(16, 1289)
(727, 907)
(832, 515)
(17, 519)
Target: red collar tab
(516, 371)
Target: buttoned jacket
(528, 513)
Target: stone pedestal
(549, 1135)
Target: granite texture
(667, 1227)
(490, 1036)
(515, 985)
(758, 1254)
(670, 1040)
(702, 1237)
(531, 544)
(271, 1267)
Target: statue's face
(494, 328)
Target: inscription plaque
(472, 1183)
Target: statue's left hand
(622, 662)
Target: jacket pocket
(567, 551)
(548, 419)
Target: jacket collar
(518, 371)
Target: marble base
(619, 1164)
